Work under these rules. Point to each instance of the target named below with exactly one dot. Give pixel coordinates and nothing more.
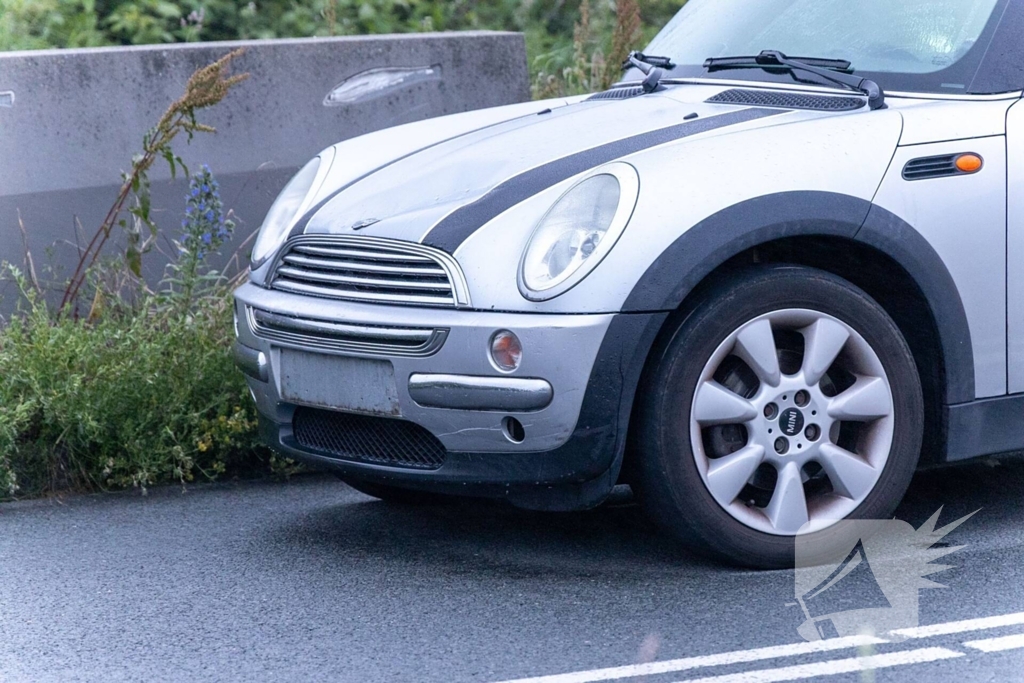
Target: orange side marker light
(969, 163)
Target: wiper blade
(834, 70)
(653, 68)
(758, 61)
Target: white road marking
(836, 666)
(1014, 642)
(737, 657)
(797, 649)
(960, 626)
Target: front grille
(931, 167)
(369, 269)
(617, 94)
(305, 333)
(361, 438)
(787, 100)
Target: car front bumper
(572, 392)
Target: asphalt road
(313, 581)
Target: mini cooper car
(762, 280)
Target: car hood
(442, 192)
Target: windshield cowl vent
(787, 100)
(617, 94)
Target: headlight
(283, 212)
(578, 231)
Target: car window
(908, 37)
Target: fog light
(506, 351)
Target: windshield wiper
(834, 70)
(653, 68)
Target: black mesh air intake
(617, 94)
(362, 438)
(787, 100)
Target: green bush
(139, 397)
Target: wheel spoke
(756, 346)
(868, 399)
(727, 476)
(849, 474)
(715, 405)
(822, 343)
(787, 510)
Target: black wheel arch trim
(732, 231)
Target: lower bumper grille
(304, 333)
(362, 438)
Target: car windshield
(917, 45)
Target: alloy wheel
(791, 423)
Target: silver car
(762, 280)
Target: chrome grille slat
(349, 253)
(357, 266)
(369, 269)
(332, 293)
(334, 279)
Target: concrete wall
(76, 117)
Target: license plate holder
(364, 385)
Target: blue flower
(206, 188)
(184, 223)
(195, 191)
(209, 215)
(207, 238)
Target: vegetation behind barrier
(552, 27)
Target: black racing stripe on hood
(458, 226)
(300, 227)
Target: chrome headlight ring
(578, 231)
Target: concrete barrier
(70, 121)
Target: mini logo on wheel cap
(791, 422)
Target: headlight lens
(578, 232)
(279, 219)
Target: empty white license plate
(363, 385)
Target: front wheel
(786, 401)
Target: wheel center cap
(791, 422)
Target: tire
(694, 445)
(395, 495)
